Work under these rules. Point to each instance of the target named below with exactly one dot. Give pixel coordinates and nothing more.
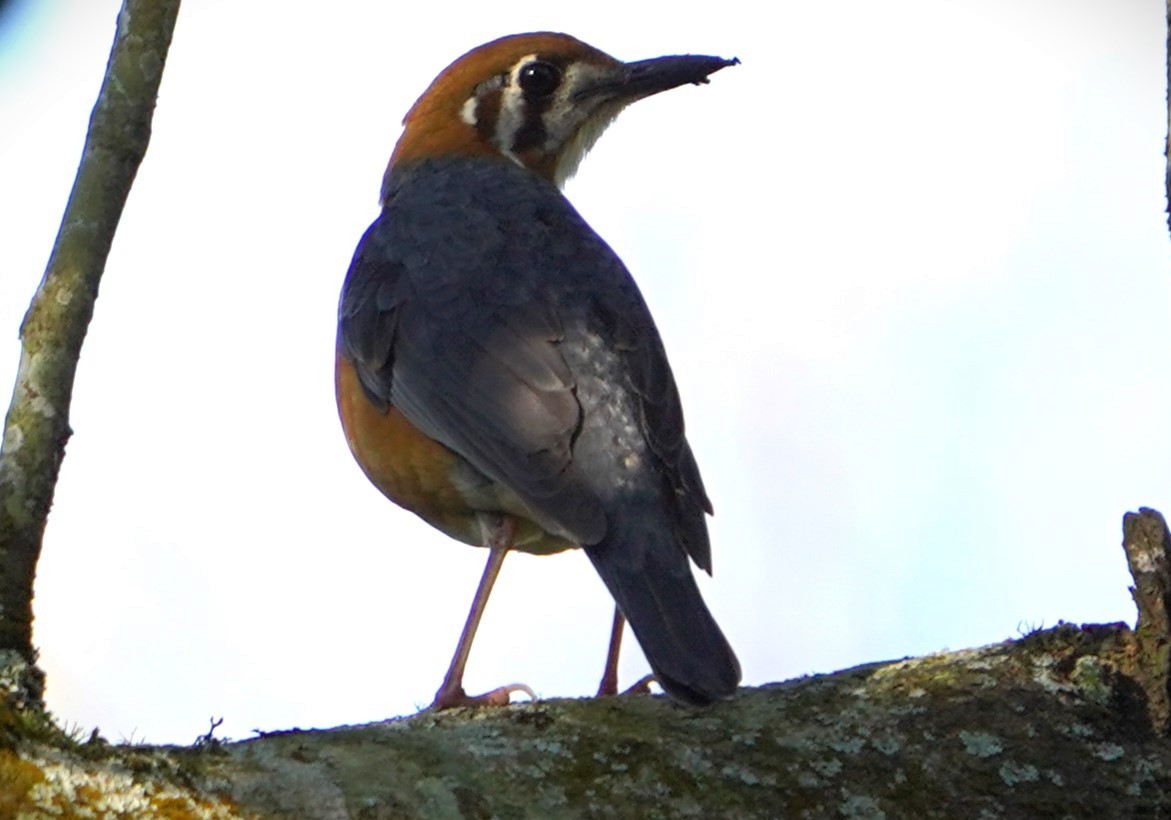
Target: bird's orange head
(540, 100)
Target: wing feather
(455, 310)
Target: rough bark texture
(1065, 722)
(1048, 726)
(37, 425)
(1148, 553)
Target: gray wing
(454, 310)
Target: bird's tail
(650, 577)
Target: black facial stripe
(532, 133)
(488, 112)
(538, 95)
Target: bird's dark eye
(539, 79)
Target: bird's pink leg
(451, 692)
(609, 684)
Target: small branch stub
(1148, 553)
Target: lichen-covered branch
(1046, 726)
(1055, 724)
(37, 424)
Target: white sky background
(909, 260)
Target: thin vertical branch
(37, 424)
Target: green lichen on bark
(1059, 723)
(1020, 729)
(1052, 725)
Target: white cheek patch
(467, 113)
(511, 117)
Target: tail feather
(651, 580)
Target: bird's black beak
(646, 77)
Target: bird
(498, 372)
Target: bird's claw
(642, 686)
(609, 687)
(451, 698)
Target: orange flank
(414, 471)
(418, 473)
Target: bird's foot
(450, 697)
(609, 687)
(642, 686)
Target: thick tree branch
(37, 425)
(1047, 726)
(1056, 724)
